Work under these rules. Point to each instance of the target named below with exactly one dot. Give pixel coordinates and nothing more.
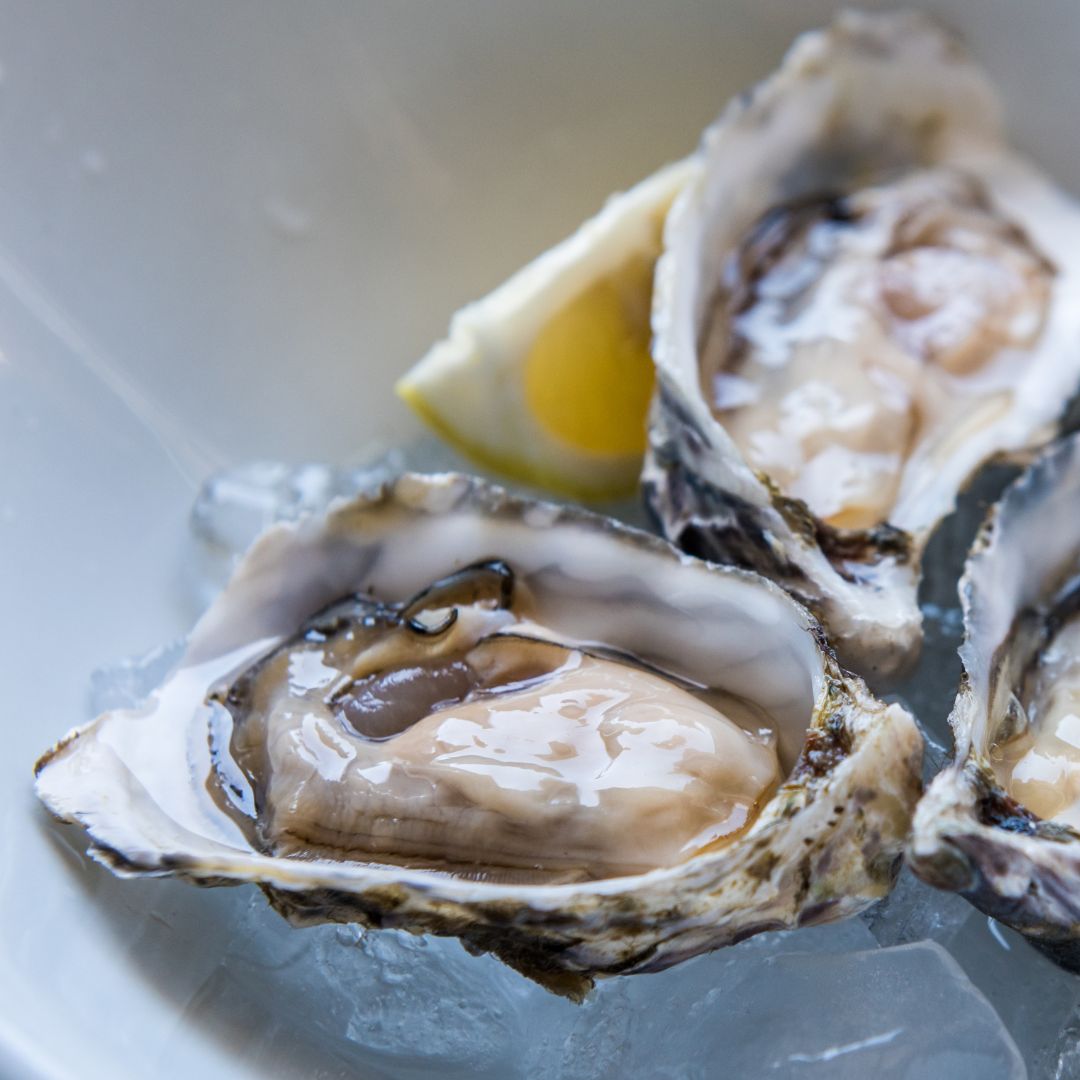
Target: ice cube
(1061, 1060)
(129, 682)
(1032, 995)
(914, 911)
(907, 1013)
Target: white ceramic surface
(225, 226)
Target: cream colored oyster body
(512, 793)
(864, 296)
(999, 823)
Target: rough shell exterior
(825, 846)
(969, 835)
(872, 95)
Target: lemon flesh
(589, 375)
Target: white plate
(224, 229)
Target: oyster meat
(999, 824)
(450, 710)
(453, 734)
(864, 295)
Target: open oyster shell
(864, 295)
(974, 832)
(146, 783)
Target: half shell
(854, 114)
(825, 845)
(971, 835)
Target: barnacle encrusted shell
(971, 834)
(825, 845)
(875, 113)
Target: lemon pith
(516, 466)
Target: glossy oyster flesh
(864, 296)
(450, 733)
(450, 710)
(999, 824)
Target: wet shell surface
(863, 296)
(195, 782)
(998, 825)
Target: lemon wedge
(547, 380)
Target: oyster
(450, 710)
(864, 296)
(999, 824)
